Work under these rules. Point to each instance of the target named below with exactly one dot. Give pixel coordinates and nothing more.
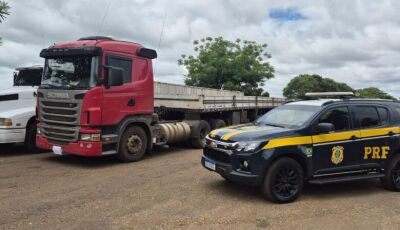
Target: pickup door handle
(353, 137)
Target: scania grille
(59, 133)
(60, 120)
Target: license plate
(209, 164)
(57, 150)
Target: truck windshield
(70, 72)
(288, 116)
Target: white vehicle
(17, 108)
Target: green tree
(302, 84)
(265, 94)
(4, 11)
(223, 64)
(373, 92)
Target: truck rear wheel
(30, 136)
(203, 129)
(391, 181)
(217, 123)
(132, 145)
(284, 181)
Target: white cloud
(355, 42)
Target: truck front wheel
(30, 137)
(284, 181)
(132, 145)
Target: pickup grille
(60, 119)
(216, 155)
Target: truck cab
(17, 108)
(92, 90)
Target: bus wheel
(132, 145)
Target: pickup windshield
(289, 116)
(70, 72)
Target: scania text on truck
(98, 97)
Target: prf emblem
(337, 154)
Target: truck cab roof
(94, 45)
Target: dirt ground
(167, 190)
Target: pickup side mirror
(115, 76)
(325, 127)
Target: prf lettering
(376, 152)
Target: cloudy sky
(356, 42)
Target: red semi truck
(98, 97)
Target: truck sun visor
(146, 53)
(71, 51)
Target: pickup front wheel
(132, 145)
(284, 181)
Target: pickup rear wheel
(284, 181)
(132, 145)
(391, 181)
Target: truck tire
(133, 144)
(217, 123)
(283, 181)
(30, 137)
(203, 129)
(391, 181)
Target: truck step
(346, 178)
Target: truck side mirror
(325, 127)
(115, 76)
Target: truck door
(378, 138)
(335, 151)
(117, 100)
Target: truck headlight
(250, 146)
(90, 137)
(5, 122)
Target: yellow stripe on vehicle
(335, 136)
(219, 131)
(275, 143)
(236, 132)
(229, 135)
(329, 137)
(214, 132)
(379, 132)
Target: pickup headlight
(5, 122)
(250, 146)
(90, 137)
